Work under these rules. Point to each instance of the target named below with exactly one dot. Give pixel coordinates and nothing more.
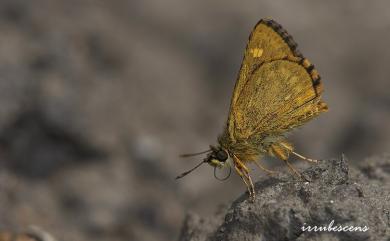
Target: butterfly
(277, 90)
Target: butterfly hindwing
(278, 96)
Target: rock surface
(350, 196)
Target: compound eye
(222, 155)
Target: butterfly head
(217, 157)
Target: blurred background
(98, 98)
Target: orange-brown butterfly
(276, 91)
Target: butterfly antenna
(194, 154)
(189, 171)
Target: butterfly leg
(251, 186)
(243, 172)
(304, 158)
(290, 148)
(269, 172)
(292, 168)
(252, 197)
(243, 178)
(282, 153)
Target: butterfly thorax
(246, 150)
(251, 148)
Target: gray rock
(351, 196)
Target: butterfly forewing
(276, 90)
(277, 96)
